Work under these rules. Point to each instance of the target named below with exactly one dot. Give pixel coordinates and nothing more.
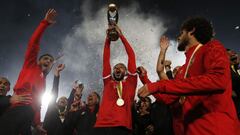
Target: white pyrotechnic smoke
(83, 47)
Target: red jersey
(208, 108)
(31, 79)
(110, 114)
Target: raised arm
(164, 43)
(106, 59)
(33, 45)
(52, 104)
(55, 88)
(70, 99)
(75, 96)
(131, 55)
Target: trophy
(112, 16)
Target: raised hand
(50, 16)
(164, 42)
(59, 68)
(141, 71)
(75, 106)
(26, 99)
(167, 63)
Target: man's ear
(191, 32)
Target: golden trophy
(112, 15)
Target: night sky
(19, 18)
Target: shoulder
(129, 74)
(214, 45)
(215, 51)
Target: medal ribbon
(119, 89)
(182, 98)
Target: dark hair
(121, 64)
(47, 54)
(149, 99)
(203, 28)
(98, 96)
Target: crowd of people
(200, 97)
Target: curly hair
(203, 28)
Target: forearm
(55, 88)
(35, 39)
(70, 99)
(131, 55)
(165, 98)
(163, 76)
(200, 85)
(144, 79)
(106, 58)
(33, 45)
(160, 62)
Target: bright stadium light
(46, 98)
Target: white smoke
(84, 46)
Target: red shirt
(111, 115)
(31, 79)
(208, 108)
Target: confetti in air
(83, 47)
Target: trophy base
(113, 35)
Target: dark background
(18, 18)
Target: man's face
(4, 86)
(46, 63)
(62, 102)
(92, 99)
(183, 40)
(119, 72)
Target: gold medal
(120, 102)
